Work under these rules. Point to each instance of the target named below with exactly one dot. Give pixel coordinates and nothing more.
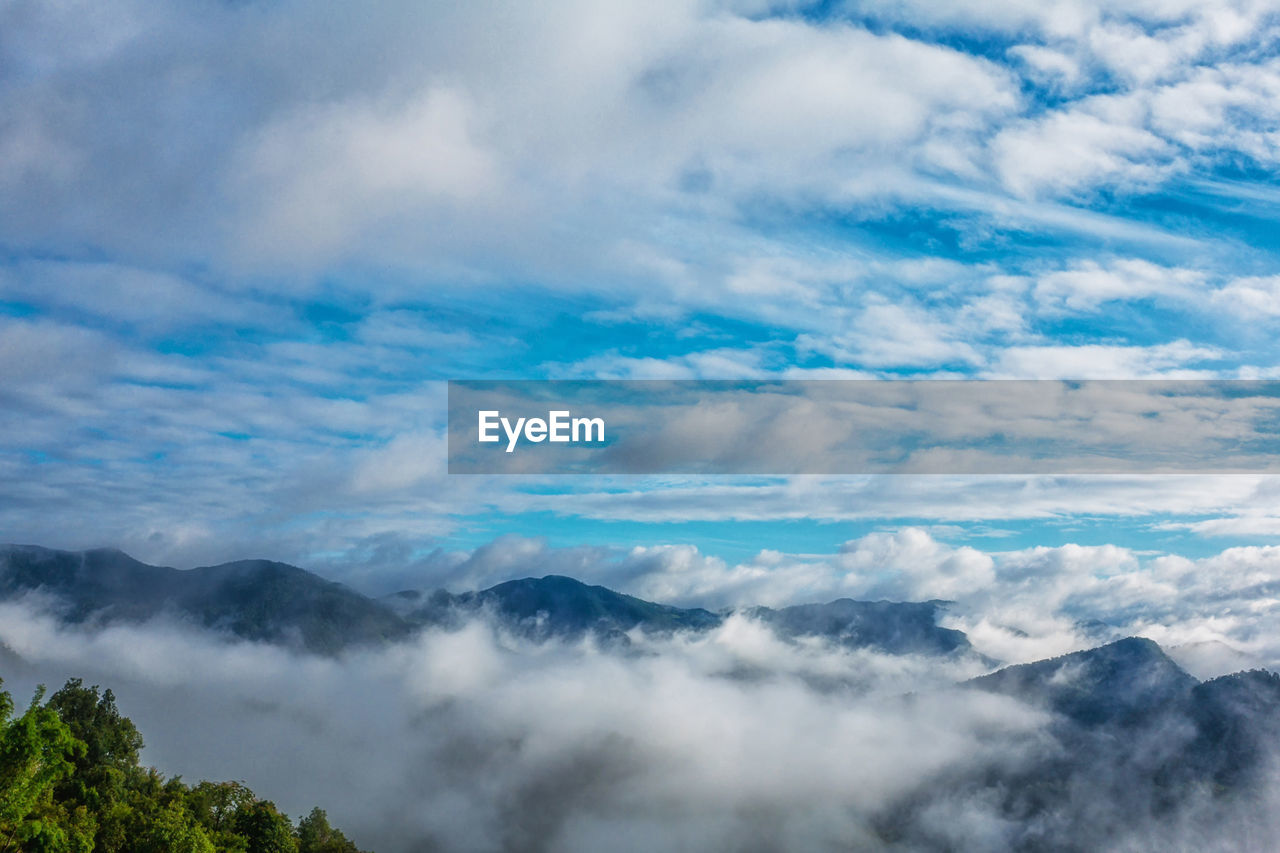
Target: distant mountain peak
(557, 605)
(892, 626)
(259, 600)
(1121, 680)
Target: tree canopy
(71, 781)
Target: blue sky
(242, 245)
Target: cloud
(1090, 285)
(470, 741)
(1204, 25)
(1251, 297)
(1254, 523)
(474, 740)
(1078, 149)
(418, 135)
(910, 564)
(146, 300)
(325, 176)
(720, 363)
(1047, 65)
(1015, 605)
(1175, 360)
(897, 334)
(243, 243)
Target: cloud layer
(473, 740)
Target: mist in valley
(473, 738)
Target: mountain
(1127, 706)
(103, 581)
(558, 606)
(890, 626)
(1136, 754)
(252, 599)
(1122, 681)
(275, 602)
(1237, 724)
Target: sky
(243, 245)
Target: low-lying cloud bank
(471, 739)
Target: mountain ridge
(277, 602)
(252, 599)
(270, 601)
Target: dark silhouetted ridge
(275, 602)
(561, 606)
(1120, 681)
(252, 599)
(891, 626)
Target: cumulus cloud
(1016, 605)
(420, 117)
(1091, 284)
(1251, 296)
(1066, 151)
(324, 176)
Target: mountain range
(1126, 683)
(1125, 722)
(274, 602)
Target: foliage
(71, 782)
(316, 836)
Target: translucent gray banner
(864, 427)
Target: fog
(472, 739)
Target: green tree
(37, 751)
(173, 830)
(215, 806)
(70, 782)
(315, 835)
(111, 739)
(106, 780)
(265, 829)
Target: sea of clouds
(472, 739)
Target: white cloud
(937, 497)
(1077, 149)
(1177, 359)
(469, 740)
(719, 363)
(325, 175)
(1251, 524)
(330, 137)
(1250, 297)
(407, 460)
(1214, 23)
(894, 334)
(1051, 67)
(1089, 285)
(911, 564)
